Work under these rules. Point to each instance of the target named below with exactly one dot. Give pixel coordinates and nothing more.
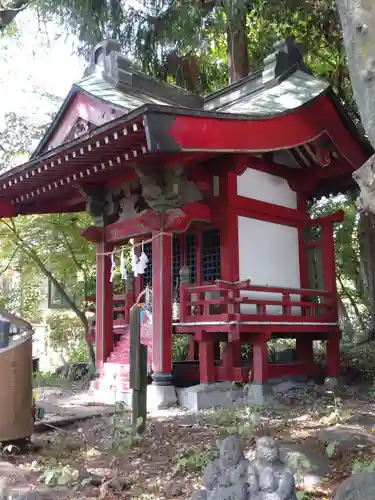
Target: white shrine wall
(267, 252)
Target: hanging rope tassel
(123, 270)
(134, 263)
(113, 268)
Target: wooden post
(328, 250)
(162, 309)
(304, 350)
(260, 362)
(138, 372)
(206, 362)
(104, 303)
(231, 358)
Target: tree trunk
(238, 55)
(358, 26)
(367, 265)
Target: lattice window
(176, 260)
(191, 256)
(147, 276)
(211, 255)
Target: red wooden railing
(120, 310)
(309, 306)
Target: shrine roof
(130, 120)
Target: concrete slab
(259, 394)
(205, 396)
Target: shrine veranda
(214, 192)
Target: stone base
(331, 383)
(259, 394)
(205, 396)
(160, 397)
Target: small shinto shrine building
(217, 189)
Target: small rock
(174, 488)
(114, 486)
(199, 495)
(359, 486)
(347, 437)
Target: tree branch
(30, 252)
(7, 14)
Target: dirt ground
(328, 431)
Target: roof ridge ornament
(102, 57)
(287, 55)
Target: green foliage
(64, 329)
(363, 465)
(57, 474)
(78, 351)
(331, 448)
(124, 435)
(302, 495)
(180, 347)
(47, 379)
(243, 422)
(17, 139)
(193, 459)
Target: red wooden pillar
(206, 362)
(162, 309)
(231, 358)
(302, 250)
(104, 304)
(260, 362)
(333, 354)
(328, 250)
(304, 347)
(191, 353)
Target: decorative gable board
(82, 114)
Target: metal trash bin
(16, 391)
(4, 332)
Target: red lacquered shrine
(219, 187)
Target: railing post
(287, 309)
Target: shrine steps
(113, 382)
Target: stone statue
(233, 477)
(226, 477)
(276, 481)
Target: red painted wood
(174, 220)
(229, 264)
(260, 362)
(270, 212)
(302, 250)
(191, 353)
(93, 234)
(7, 209)
(286, 131)
(86, 107)
(104, 292)
(162, 303)
(276, 370)
(328, 247)
(304, 347)
(231, 358)
(206, 362)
